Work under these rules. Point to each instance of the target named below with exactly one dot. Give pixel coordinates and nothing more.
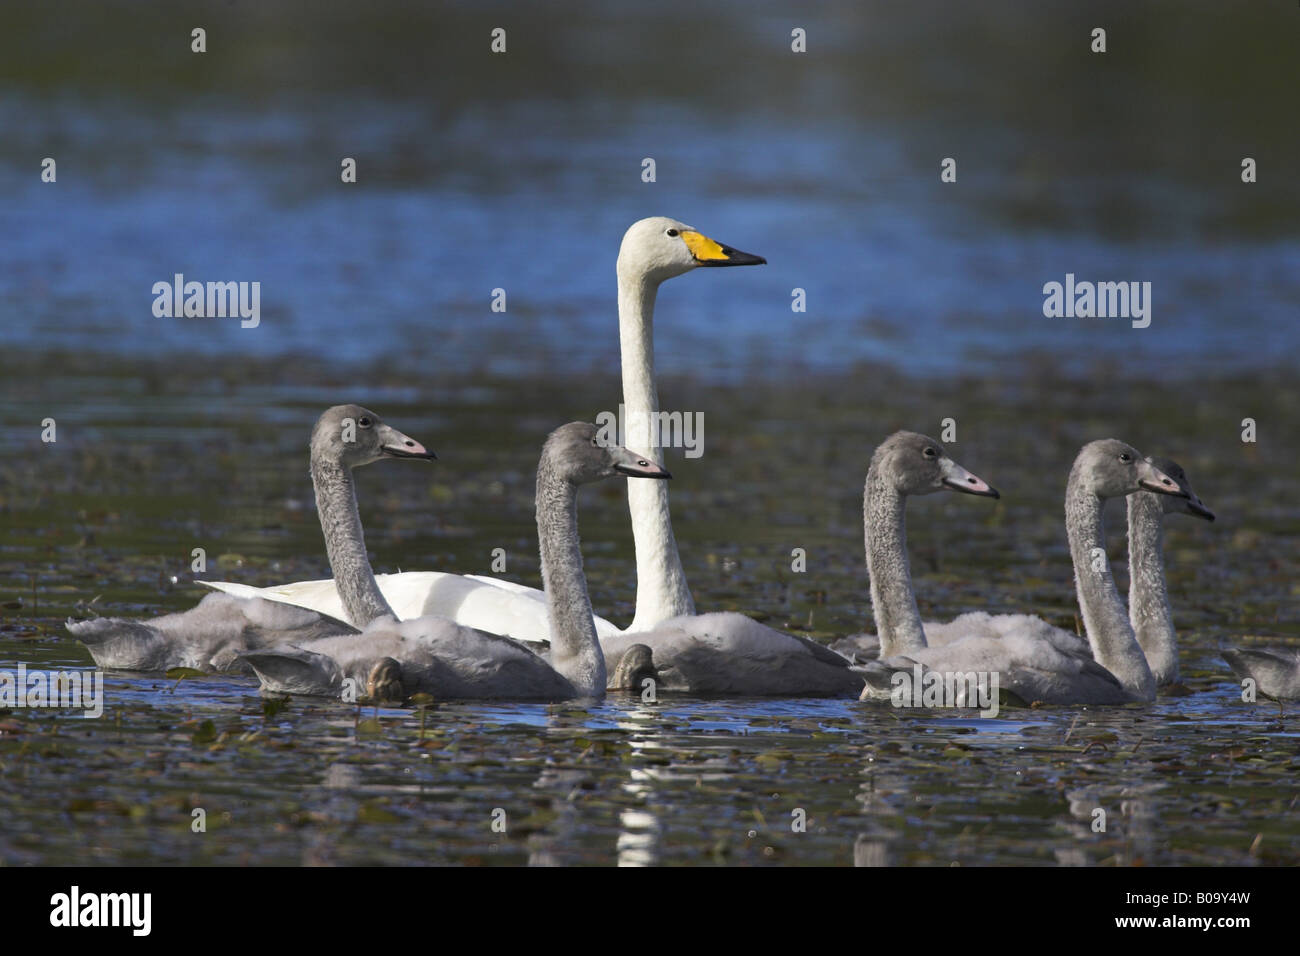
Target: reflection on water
(637, 784)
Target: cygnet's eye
(1125, 457)
(595, 443)
(930, 453)
(364, 421)
(673, 232)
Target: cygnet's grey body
(1033, 661)
(212, 635)
(435, 655)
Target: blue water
(461, 192)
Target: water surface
(152, 465)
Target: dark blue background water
(521, 171)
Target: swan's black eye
(673, 232)
(363, 422)
(930, 453)
(595, 443)
(1125, 457)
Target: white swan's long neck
(893, 602)
(661, 590)
(1148, 597)
(575, 650)
(1114, 646)
(336, 502)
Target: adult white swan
(393, 659)
(653, 250)
(211, 635)
(1033, 661)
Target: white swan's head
(1109, 468)
(1192, 504)
(916, 464)
(660, 248)
(351, 435)
(579, 453)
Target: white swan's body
(498, 607)
(393, 659)
(212, 635)
(653, 250)
(1033, 661)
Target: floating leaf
(181, 673)
(374, 813)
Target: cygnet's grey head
(1109, 468)
(350, 435)
(660, 248)
(1192, 504)
(384, 682)
(918, 465)
(636, 664)
(579, 454)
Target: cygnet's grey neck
(575, 651)
(1109, 633)
(1148, 596)
(898, 620)
(336, 502)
